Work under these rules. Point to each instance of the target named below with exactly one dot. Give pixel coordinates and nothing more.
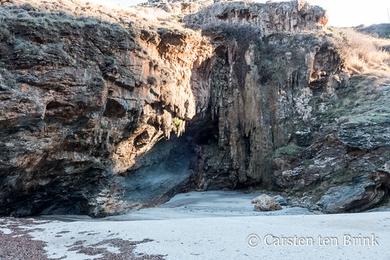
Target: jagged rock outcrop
(262, 91)
(293, 16)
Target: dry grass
(150, 16)
(363, 53)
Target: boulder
(359, 196)
(265, 202)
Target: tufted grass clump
(178, 126)
(363, 53)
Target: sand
(208, 229)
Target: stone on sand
(265, 202)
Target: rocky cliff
(93, 102)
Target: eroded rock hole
(114, 109)
(59, 110)
(142, 139)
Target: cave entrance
(170, 167)
(160, 173)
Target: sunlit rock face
(82, 99)
(92, 101)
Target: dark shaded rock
(359, 196)
(281, 200)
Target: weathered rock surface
(361, 195)
(262, 90)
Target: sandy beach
(197, 231)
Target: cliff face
(261, 90)
(262, 97)
(82, 98)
